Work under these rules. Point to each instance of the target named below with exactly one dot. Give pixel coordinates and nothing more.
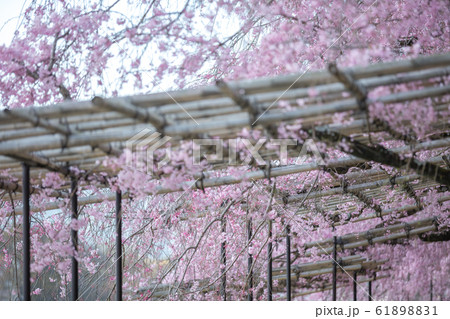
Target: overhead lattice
(82, 134)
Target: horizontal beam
(125, 107)
(96, 139)
(350, 188)
(89, 117)
(253, 86)
(375, 232)
(330, 287)
(382, 155)
(40, 161)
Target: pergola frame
(80, 134)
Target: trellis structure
(81, 134)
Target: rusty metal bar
(269, 264)
(26, 231)
(223, 262)
(250, 262)
(288, 263)
(74, 236)
(119, 265)
(334, 267)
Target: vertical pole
(288, 263)
(119, 246)
(355, 291)
(334, 267)
(269, 265)
(223, 261)
(370, 289)
(74, 235)
(250, 262)
(26, 231)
